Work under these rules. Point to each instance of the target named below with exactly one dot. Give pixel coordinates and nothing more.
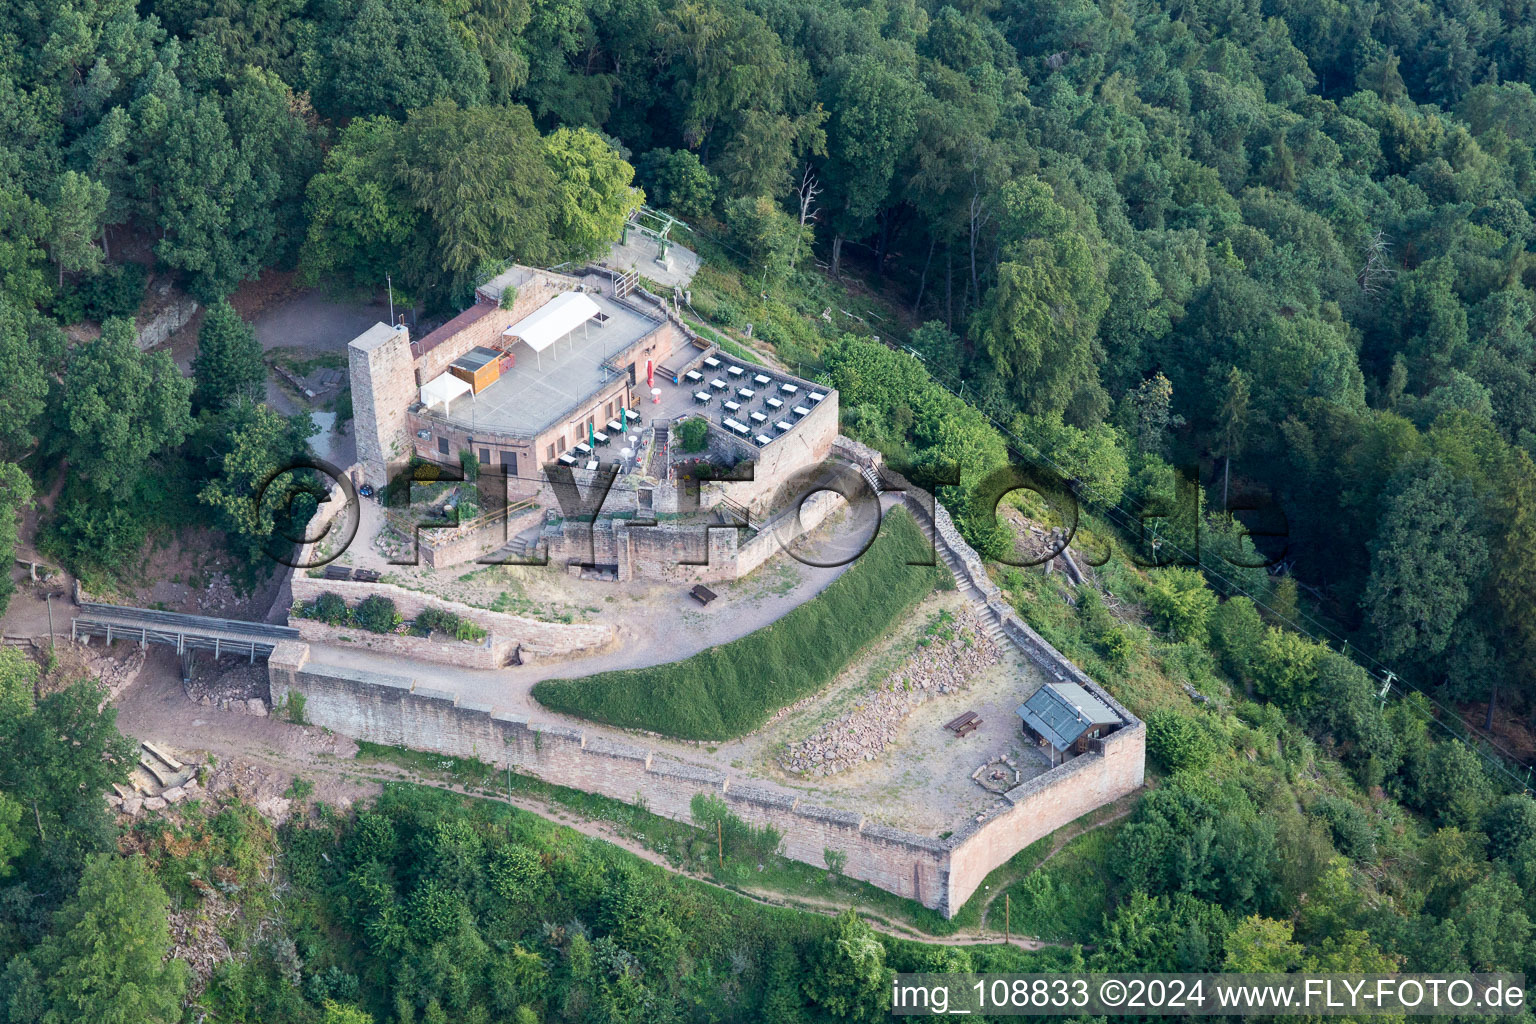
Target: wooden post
(1007, 917)
(720, 843)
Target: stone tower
(383, 387)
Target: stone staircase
(526, 545)
(986, 615)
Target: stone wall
(544, 638)
(442, 548)
(491, 653)
(396, 710)
(939, 873)
(683, 553)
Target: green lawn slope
(731, 689)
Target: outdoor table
(817, 396)
(758, 417)
(732, 406)
(567, 460)
(599, 437)
(762, 380)
(763, 439)
(582, 448)
(694, 376)
(782, 426)
(712, 363)
(788, 389)
(718, 384)
(801, 410)
(734, 371)
(702, 397)
(774, 403)
(746, 393)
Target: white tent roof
(553, 320)
(443, 389)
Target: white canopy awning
(553, 320)
(443, 389)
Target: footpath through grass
(731, 689)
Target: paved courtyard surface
(640, 254)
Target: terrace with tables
(754, 403)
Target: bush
(1180, 601)
(1179, 742)
(1353, 832)
(330, 608)
(116, 291)
(731, 689)
(469, 463)
(375, 614)
(439, 621)
(693, 434)
(1510, 824)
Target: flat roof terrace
(544, 388)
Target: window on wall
(550, 454)
(442, 446)
(610, 410)
(485, 456)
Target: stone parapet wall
(510, 631)
(399, 711)
(938, 873)
(491, 653)
(684, 553)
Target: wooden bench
(966, 723)
(702, 594)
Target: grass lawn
(731, 689)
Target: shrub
(1180, 601)
(116, 291)
(1510, 824)
(375, 614)
(469, 463)
(330, 608)
(437, 620)
(693, 434)
(737, 836)
(1179, 742)
(1353, 832)
(731, 689)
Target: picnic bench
(964, 724)
(702, 594)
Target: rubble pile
(861, 734)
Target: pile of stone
(942, 667)
(158, 781)
(237, 688)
